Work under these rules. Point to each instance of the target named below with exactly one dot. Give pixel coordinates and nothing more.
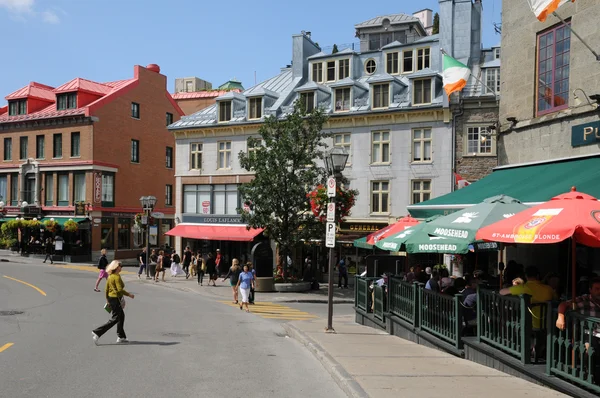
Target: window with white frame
(78, 187)
(496, 53)
(343, 140)
(307, 99)
(224, 154)
(255, 108)
(492, 80)
(479, 141)
(342, 99)
(380, 197)
(317, 72)
(421, 145)
(343, 68)
(407, 61)
(169, 195)
(370, 66)
(63, 189)
(380, 152)
(224, 111)
(331, 71)
(422, 92)
(225, 199)
(381, 95)
(392, 65)
(211, 199)
(423, 58)
(421, 191)
(108, 189)
(253, 144)
(196, 156)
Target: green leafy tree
(285, 169)
(335, 49)
(436, 24)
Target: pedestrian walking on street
(252, 290)
(187, 261)
(102, 263)
(142, 260)
(245, 283)
(176, 266)
(234, 275)
(211, 269)
(200, 267)
(218, 261)
(193, 265)
(49, 250)
(343, 273)
(115, 290)
(161, 263)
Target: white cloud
(18, 6)
(20, 9)
(50, 17)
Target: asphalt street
(181, 344)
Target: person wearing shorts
(245, 283)
(102, 263)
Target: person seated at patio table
(539, 293)
(433, 283)
(517, 282)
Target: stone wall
(473, 168)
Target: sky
(54, 41)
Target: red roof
(33, 90)
(3, 109)
(201, 94)
(79, 84)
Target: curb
(343, 379)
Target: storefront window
(166, 226)
(124, 233)
(225, 199)
(107, 240)
(210, 199)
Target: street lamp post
(335, 162)
(148, 203)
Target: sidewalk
(366, 362)
(223, 291)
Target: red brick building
(89, 151)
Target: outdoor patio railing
(362, 293)
(403, 300)
(574, 353)
(380, 302)
(504, 322)
(442, 316)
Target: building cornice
(37, 124)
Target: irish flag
(455, 74)
(542, 8)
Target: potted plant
(71, 226)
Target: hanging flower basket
(138, 219)
(51, 225)
(344, 201)
(71, 226)
(34, 224)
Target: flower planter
(292, 287)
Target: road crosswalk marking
(275, 311)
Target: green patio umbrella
(396, 242)
(454, 233)
(362, 243)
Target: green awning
(62, 220)
(531, 183)
(362, 243)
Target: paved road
(182, 344)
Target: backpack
(176, 258)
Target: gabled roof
(393, 44)
(230, 95)
(261, 91)
(393, 18)
(346, 83)
(33, 90)
(492, 64)
(320, 54)
(3, 109)
(79, 84)
(310, 86)
(384, 78)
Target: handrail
(504, 322)
(574, 353)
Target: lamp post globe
(337, 159)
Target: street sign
(330, 235)
(144, 220)
(330, 212)
(331, 187)
(157, 214)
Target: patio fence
(442, 316)
(504, 322)
(403, 300)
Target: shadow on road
(161, 343)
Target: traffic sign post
(331, 212)
(330, 235)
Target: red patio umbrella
(572, 215)
(398, 226)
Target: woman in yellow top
(115, 290)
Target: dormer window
(392, 65)
(66, 101)
(331, 71)
(343, 69)
(255, 108)
(496, 53)
(224, 111)
(423, 58)
(422, 92)
(342, 99)
(381, 96)
(308, 100)
(17, 107)
(317, 72)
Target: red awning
(237, 233)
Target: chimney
(426, 18)
(302, 48)
(460, 29)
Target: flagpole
(475, 77)
(576, 35)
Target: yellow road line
(276, 311)
(28, 284)
(6, 346)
